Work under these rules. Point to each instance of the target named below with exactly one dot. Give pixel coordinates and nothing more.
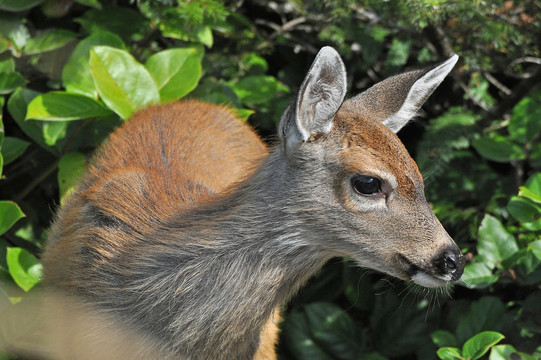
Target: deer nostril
(449, 260)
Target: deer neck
(256, 257)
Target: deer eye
(366, 185)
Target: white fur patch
(429, 281)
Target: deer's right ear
(320, 96)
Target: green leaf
(449, 353)
(535, 248)
(532, 188)
(7, 66)
(198, 34)
(485, 314)
(24, 268)
(9, 214)
(495, 243)
(504, 352)
(255, 64)
(123, 84)
(498, 148)
(299, 341)
(525, 211)
(444, 338)
(18, 5)
(71, 168)
(49, 41)
(13, 29)
(524, 125)
(39, 131)
(76, 74)
(478, 276)
(398, 53)
(12, 148)
(399, 332)
(175, 71)
(334, 330)
(478, 345)
(59, 105)
(91, 3)
(322, 331)
(9, 81)
(257, 89)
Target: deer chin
(420, 276)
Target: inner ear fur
(320, 96)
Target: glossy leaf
(123, 84)
(9, 214)
(525, 211)
(9, 81)
(175, 71)
(495, 244)
(449, 353)
(12, 148)
(13, 29)
(59, 105)
(76, 74)
(49, 41)
(532, 188)
(70, 170)
(478, 345)
(535, 248)
(24, 268)
(478, 275)
(37, 130)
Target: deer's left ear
(396, 100)
(418, 93)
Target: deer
(187, 235)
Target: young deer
(186, 236)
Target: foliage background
(477, 144)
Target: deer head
(349, 160)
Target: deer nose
(450, 262)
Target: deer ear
(396, 100)
(418, 93)
(320, 96)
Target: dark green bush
(73, 70)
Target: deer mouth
(420, 276)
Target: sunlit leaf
(70, 169)
(24, 268)
(176, 72)
(123, 84)
(495, 244)
(59, 105)
(76, 74)
(478, 345)
(49, 41)
(9, 214)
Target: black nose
(450, 262)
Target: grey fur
(211, 277)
